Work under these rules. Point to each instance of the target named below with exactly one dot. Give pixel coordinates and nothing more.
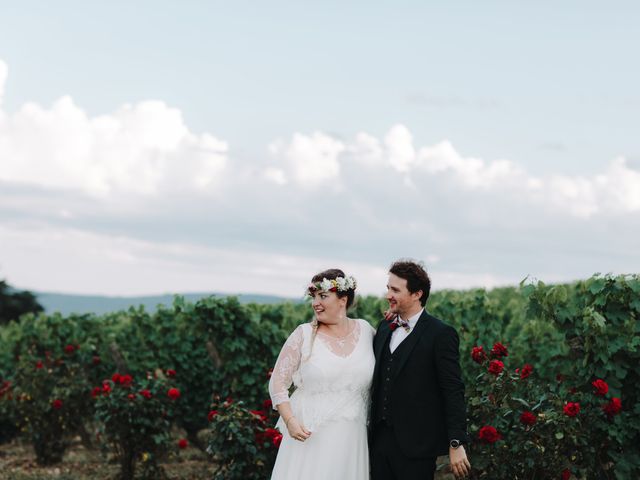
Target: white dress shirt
(399, 334)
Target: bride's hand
(297, 430)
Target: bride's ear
(343, 301)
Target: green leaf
(596, 285)
(522, 401)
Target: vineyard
(551, 372)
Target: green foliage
(215, 345)
(218, 347)
(241, 441)
(599, 321)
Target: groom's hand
(460, 465)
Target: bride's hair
(330, 274)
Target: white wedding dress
(332, 380)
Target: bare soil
(17, 462)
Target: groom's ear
(418, 294)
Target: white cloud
(312, 159)
(400, 151)
(367, 149)
(142, 149)
(471, 172)
(317, 158)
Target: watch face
(454, 443)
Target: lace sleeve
(287, 363)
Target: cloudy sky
(159, 146)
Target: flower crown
(340, 284)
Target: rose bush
(242, 442)
(552, 430)
(135, 417)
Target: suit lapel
(381, 338)
(408, 344)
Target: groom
(418, 408)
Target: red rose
(496, 367)
(125, 380)
(274, 435)
(526, 371)
(69, 349)
(173, 393)
(115, 378)
(499, 350)
(267, 404)
(56, 404)
(145, 393)
(131, 396)
(478, 355)
(571, 409)
(171, 373)
(488, 434)
(96, 360)
(565, 475)
(211, 415)
(39, 364)
(183, 443)
(601, 387)
(613, 407)
(96, 391)
(106, 386)
(528, 418)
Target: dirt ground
(17, 462)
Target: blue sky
(150, 147)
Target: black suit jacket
(427, 392)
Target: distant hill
(66, 304)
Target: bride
(330, 362)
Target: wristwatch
(455, 443)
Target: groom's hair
(415, 275)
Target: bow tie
(398, 322)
